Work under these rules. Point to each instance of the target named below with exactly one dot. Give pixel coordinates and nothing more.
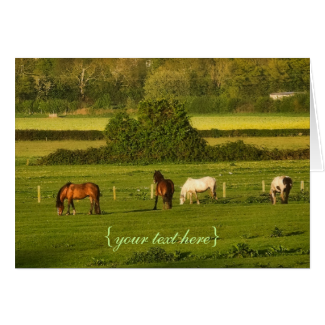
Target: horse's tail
(97, 199)
(168, 196)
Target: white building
(276, 96)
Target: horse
(281, 184)
(78, 192)
(198, 186)
(164, 188)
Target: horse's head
(157, 176)
(60, 209)
(182, 199)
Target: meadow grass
(222, 122)
(44, 239)
(30, 149)
(249, 122)
(293, 143)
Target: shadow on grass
(295, 233)
(142, 210)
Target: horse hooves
(90, 212)
(74, 212)
(198, 202)
(68, 213)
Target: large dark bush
(162, 133)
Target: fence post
(224, 189)
(152, 191)
(114, 193)
(263, 186)
(39, 194)
(302, 186)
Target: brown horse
(78, 192)
(164, 188)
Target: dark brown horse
(78, 192)
(164, 188)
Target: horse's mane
(58, 201)
(159, 174)
(287, 180)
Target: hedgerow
(162, 133)
(51, 135)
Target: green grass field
(222, 122)
(44, 239)
(268, 142)
(31, 149)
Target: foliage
(153, 255)
(166, 84)
(277, 232)
(51, 135)
(227, 152)
(207, 85)
(103, 102)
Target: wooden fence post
(302, 186)
(224, 189)
(114, 193)
(39, 194)
(152, 191)
(263, 186)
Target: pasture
(44, 239)
(202, 122)
(280, 143)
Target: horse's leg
(69, 202)
(214, 192)
(91, 205)
(191, 202)
(197, 199)
(287, 195)
(97, 207)
(282, 197)
(74, 210)
(274, 197)
(155, 207)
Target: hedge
(231, 151)
(32, 135)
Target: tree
(162, 132)
(166, 84)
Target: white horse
(281, 184)
(198, 186)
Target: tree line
(203, 85)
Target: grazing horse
(281, 184)
(164, 188)
(198, 186)
(78, 192)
